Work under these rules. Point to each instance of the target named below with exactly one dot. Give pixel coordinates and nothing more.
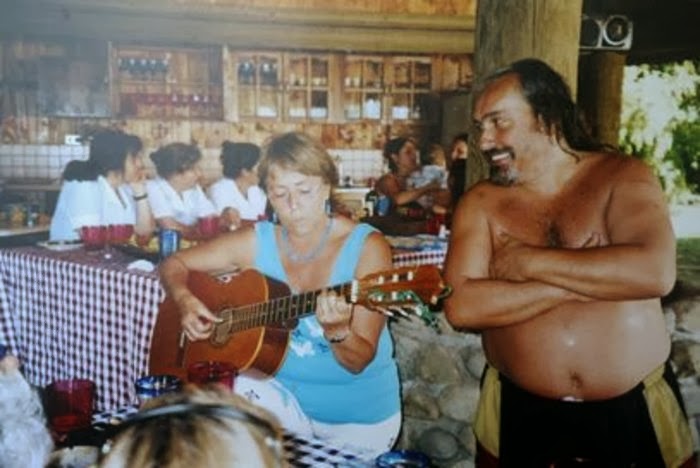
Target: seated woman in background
(237, 195)
(338, 380)
(108, 188)
(401, 156)
(208, 427)
(176, 198)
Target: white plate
(60, 246)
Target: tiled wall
(37, 161)
(48, 161)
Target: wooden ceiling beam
(150, 22)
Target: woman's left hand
(334, 314)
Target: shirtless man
(560, 260)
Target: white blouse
(90, 203)
(225, 193)
(186, 207)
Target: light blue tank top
(326, 391)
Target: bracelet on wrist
(140, 197)
(338, 337)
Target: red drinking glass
(120, 233)
(69, 404)
(205, 372)
(208, 226)
(94, 237)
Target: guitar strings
(248, 316)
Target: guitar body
(262, 348)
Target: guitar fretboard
(277, 310)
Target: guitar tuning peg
(385, 311)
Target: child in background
(433, 169)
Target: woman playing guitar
(338, 380)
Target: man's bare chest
(569, 221)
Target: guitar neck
(277, 310)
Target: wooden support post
(600, 93)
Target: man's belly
(585, 351)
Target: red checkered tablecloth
(401, 258)
(77, 314)
(416, 250)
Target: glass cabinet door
(411, 84)
(307, 86)
(258, 85)
(160, 82)
(363, 87)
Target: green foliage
(660, 109)
(685, 153)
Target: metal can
(168, 242)
(151, 386)
(382, 206)
(31, 215)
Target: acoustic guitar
(259, 312)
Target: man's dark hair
(550, 98)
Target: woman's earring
(275, 219)
(327, 207)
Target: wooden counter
(13, 236)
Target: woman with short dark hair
(107, 188)
(177, 199)
(237, 195)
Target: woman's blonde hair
(200, 427)
(297, 152)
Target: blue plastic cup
(151, 386)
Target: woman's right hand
(230, 218)
(196, 319)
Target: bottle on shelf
(371, 199)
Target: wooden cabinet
(188, 83)
(410, 87)
(282, 86)
(58, 78)
(160, 82)
(455, 71)
(257, 91)
(307, 86)
(387, 88)
(363, 87)
(333, 87)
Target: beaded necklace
(307, 257)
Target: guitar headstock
(401, 291)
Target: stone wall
(440, 379)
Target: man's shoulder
(619, 166)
